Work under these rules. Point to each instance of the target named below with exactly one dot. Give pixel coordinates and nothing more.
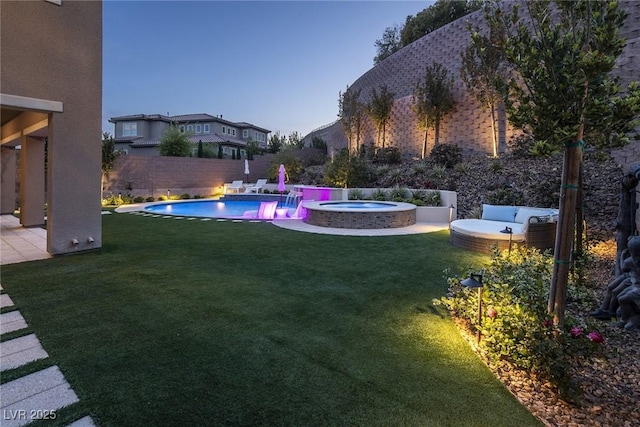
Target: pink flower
(576, 331)
(492, 313)
(595, 337)
(547, 323)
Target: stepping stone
(36, 395)
(5, 301)
(83, 422)
(12, 321)
(20, 351)
(205, 219)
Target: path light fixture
(451, 208)
(509, 231)
(475, 281)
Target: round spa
(360, 214)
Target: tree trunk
(437, 132)
(566, 227)
(424, 144)
(384, 134)
(494, 131)
(579, 227)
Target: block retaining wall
(469, 125)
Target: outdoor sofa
(503, 226)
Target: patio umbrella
(281, 175)
(246, 168)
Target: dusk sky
(276, 64)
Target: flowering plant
(516, 326)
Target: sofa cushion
(523, 214)
(498, 213)
(489, 229)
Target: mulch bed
(609, 382)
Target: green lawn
(178, 322)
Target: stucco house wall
(53, 53)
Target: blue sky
(276, 64)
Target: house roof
(186, 118)
(122, 139)
(204, 137)
(251, 125)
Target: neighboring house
(140, 134)
(51, 101)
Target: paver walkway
(36, 395)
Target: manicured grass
(178, 322)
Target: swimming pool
(206, 208)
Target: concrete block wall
(470, 124)
(154, 175)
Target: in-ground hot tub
(362, 214)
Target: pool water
(358, 205)
(204, 208)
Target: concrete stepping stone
(20, 351)
(35, 396)
(12, 321)
(5, 301)
(83, 422)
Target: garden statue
(622, 297)
(629, 298)
(626, 223)
(623, 293)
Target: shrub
(149, 199)
(379, 195)
(495, 166)
(419, 168)
(356, 194)
(345, 171)
(113, 201)
(417, 202)
(419, 194)
(185, 196)
(381, 170)
(162, 198)
(389, 155)
(447, 155)
(515, 324)
(461, 167)
(543, 149)
(432, 198)
(520, 145)
(399, 194)
(438, 172)
(138, 199)
(394, 177)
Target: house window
(245, 133)
(233, 132)
(207, 129)
(189, 128)
(130, 129)
(198, 129)
(224, 129)
(181, 127)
